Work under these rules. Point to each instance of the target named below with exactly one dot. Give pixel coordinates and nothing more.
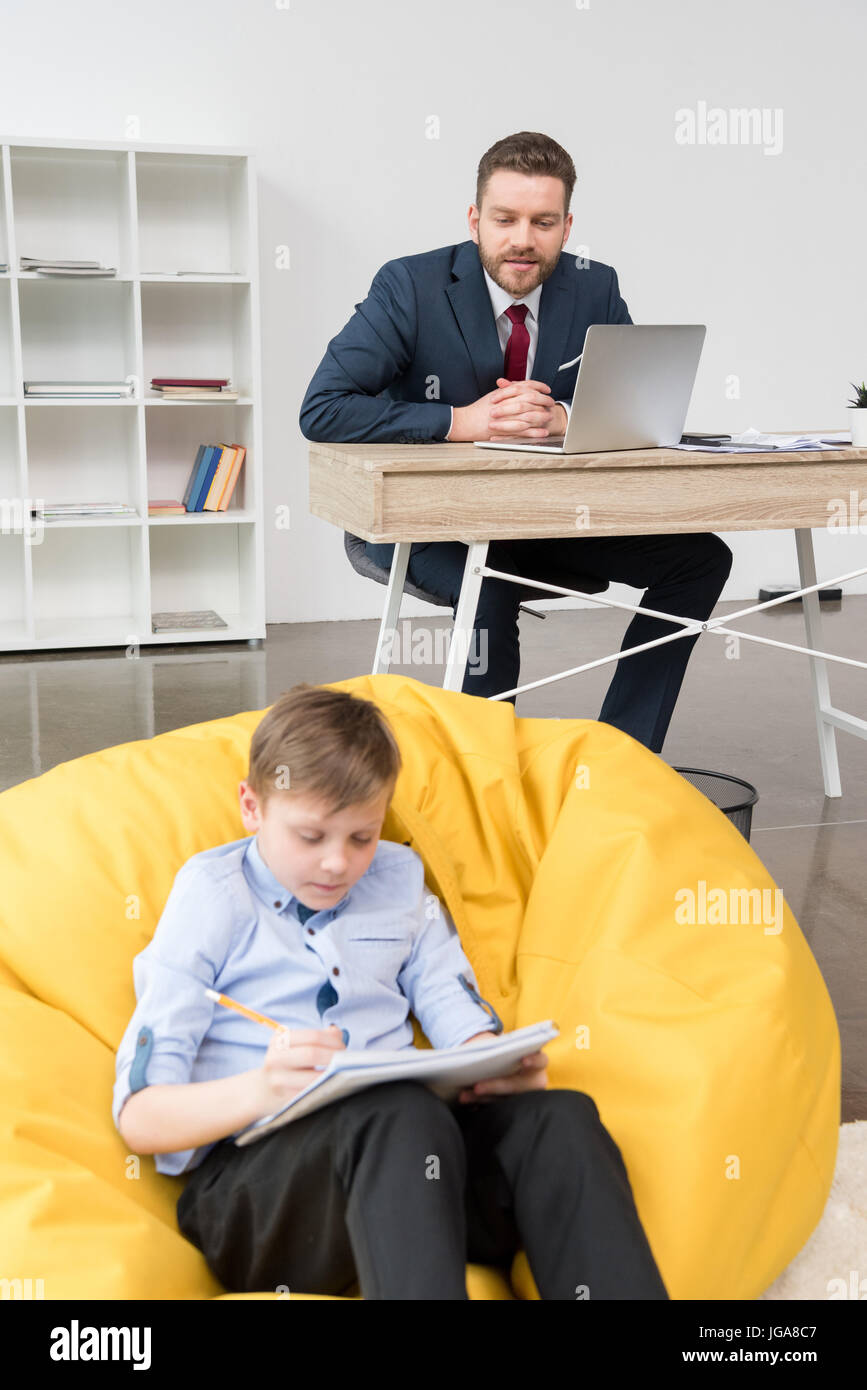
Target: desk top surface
(448, 458)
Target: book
(166, 506)
(193, 475)
(186, 620)
(240, 455)
(67, 510)
(196, 393)
(74, 270)
(446, 1070)
(206, 470)
(213, 477)
(160, 381)
(78, 388)
(220, 478)
(32, 262)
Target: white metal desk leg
(465, 616)
(818, 669)
(391, 611)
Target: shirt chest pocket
(380, 955)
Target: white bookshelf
(148, 210)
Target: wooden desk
(443, 492)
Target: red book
(189, 381)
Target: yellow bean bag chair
(566, 853)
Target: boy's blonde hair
(328, 743)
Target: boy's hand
(290, 1062)
(531, 1074)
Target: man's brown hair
(528, 152)
(328, 743)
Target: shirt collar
(502, 300)
(269, 887)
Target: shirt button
(310, 931)
(336, 970)
(278, 904)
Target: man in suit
(464, 343)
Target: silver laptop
(632, 391)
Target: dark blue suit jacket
(425, 339)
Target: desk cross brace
(828, 718)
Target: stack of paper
(752, 441)
(56, 267)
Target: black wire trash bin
(734, 797)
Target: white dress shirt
(501, 300)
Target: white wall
(336, 97)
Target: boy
(316, 922)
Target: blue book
(213, 464)
(200, 478)
(193, 474)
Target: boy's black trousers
(396, 1189)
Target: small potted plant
(858, 415)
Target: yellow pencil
(228, 1003)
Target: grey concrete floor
(751, 716)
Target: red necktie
(515, 368)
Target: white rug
(833, 1263)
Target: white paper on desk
(753, 441)
(446, 1070)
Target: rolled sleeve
(431, 979)
(171, 974)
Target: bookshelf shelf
(82, 522)
(72, 280)
(202, 518)
(148, 211)
(179, 403)
(73, 403)
(194, 279)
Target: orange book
(233, 476)
(221, 474)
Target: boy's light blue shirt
(388, 946)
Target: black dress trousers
(682, 574)
(395, 1189)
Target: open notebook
(446, 1070)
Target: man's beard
(525, 281)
